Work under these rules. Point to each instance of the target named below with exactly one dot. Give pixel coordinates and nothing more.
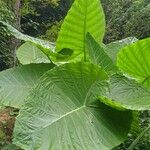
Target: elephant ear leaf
(84, 16)
(16, 83)
(45, 46)
(29, 53)
(82, 122)
(113, 48)
(98, 55)
(134, 60)
(124, 93)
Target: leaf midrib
(83, 106)
(72, 111)
(66, 114)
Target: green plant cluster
(78, 93)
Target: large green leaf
(63, 113)
(134, 60)
(28, 53)
(97, 55)
(16, 83)
(124, 93)
(113, 48)
(84, 16)
(45, 46)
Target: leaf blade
(43, 45)
(16, 83)
(123, 93)
(81, 122)
(98, 56)
(113, 48)
(28, 53)
(73, 31)
(133, 60)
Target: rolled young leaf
(63, 112)
(16, 83)
(134, 60)
(84, 16)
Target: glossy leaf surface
(84, 16)
(134, 60)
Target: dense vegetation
(114, 76)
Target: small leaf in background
(135, 142)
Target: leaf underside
(63, 112)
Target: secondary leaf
(134, 60)
(45, 46)
(84, 16)
(63, 112)
(113, 48)
(28, 53)
(97, 55)
(16, 83)
(126, 93)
